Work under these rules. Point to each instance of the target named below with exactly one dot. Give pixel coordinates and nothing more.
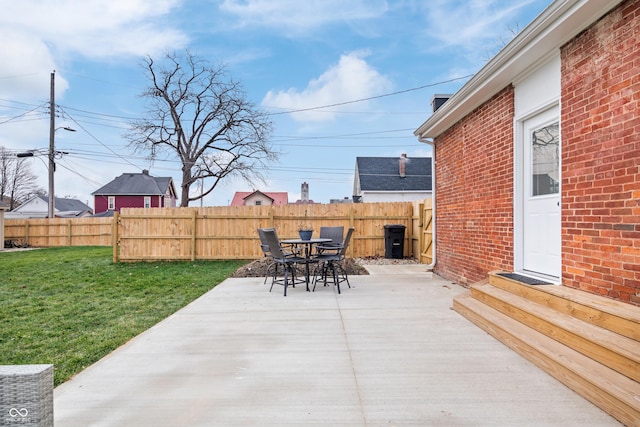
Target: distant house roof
(277, 197)
(382, 174)
(104, 214)
(68, 205)
(37, 207)
(134, 184)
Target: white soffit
(555, 26)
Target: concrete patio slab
(389, 351)
(403, 269)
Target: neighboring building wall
(600, 156)
(381, 196)
(258, 199)
(101, 202)
(474, 195)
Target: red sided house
(538, 156)
(135, 190)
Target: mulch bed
(258, 267)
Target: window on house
(147, 201)
(258, 202)
(111, 203)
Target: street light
(52, 164)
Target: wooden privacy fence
(44, 232)
(226, 232)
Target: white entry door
(541, 195)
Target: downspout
(433, 198)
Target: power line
(371, 97)
(20, 115)
(18, 76)
(101, 114)
(98, 141)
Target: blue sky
(363, 71)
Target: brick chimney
(402, 164)
(437, 101)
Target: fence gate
(426, 232)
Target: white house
(38, 207)
(392, 179)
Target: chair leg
(345, 276)
(266, 273)
(286, 277)
(315, 273)
(336, 279)
(325, 272)
(274, 277)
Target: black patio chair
(279, 257)
(330, 261)
(335, 234)
(264, 245)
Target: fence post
(69, 233)
(421, 226)
(351, 224)
(193, 235)
(410, 234)
(114, 236)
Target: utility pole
(52, 148)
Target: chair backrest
(345, 244)
(272, 242)
(264, 244)
(333, 233)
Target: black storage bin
(394, 241)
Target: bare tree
(201, 117)
(17, 182)
(511, 31)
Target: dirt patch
(353, 266)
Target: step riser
(626, 413)
(621, 363)
(550, 296)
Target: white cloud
(41, 36)
(92, 28)
(295, 16)
(352, 78)
(469, 24)
(24, 59)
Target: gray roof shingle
(135, 184)
(382, 174)
(67, 205)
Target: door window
(545, 160)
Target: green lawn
(72, 306)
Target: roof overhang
(554, 27)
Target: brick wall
(601, 156)
(474, 196)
